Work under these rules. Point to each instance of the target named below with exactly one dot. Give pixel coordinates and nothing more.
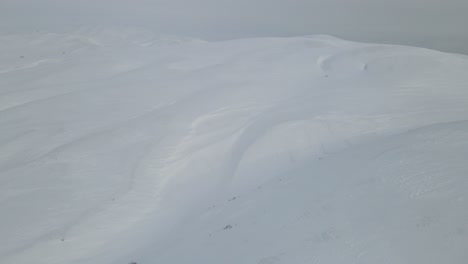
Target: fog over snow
(141, 132)
(436, 24)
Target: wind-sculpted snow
(120, 146)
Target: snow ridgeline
(120, 147)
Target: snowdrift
(117, 146)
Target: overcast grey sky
(438, 24)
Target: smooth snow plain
(117, 146)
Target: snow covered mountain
(120, 147)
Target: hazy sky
(439, 24)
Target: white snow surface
(120, 147)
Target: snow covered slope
(117, 146)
